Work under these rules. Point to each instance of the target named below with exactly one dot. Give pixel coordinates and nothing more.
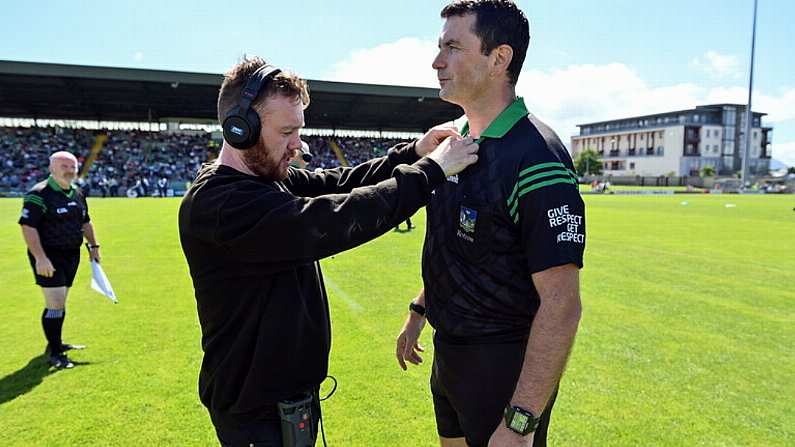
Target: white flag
(100, 283)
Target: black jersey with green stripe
(516, 212)
(57, 214)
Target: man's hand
(93, 254)
(434, 137)
(408, 344)
(455, 154)
(505, 437)
(44, 267)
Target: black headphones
(242, 125)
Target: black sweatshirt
(252, 247)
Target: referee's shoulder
(37, 189)
(541, 145)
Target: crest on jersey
(467, 220)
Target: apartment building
(680, 142)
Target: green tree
(587, 162)
(708, 171)
(791, 170)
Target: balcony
(692, 135)
(614, 153)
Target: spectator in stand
(129, 156)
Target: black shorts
(472, 384)
(65, 262)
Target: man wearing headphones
(253, 229)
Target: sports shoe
(61, 361)
(65, 347)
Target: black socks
(52, 323)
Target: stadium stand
(131, 163)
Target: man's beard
(257, 160)
(69, 177)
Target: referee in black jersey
(503, 246)
(54, 222)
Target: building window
(659, 150)
(729, 115)
(631, 165)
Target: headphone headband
(254, 84)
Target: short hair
(63, 154)
(497, 22)
(285, 83)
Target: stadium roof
(78, 92)
(707, 108)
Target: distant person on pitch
(503, 246)
(54, 223)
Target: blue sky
(587, 61)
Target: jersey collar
(54, 185)
(501, 125)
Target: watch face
(519, 422)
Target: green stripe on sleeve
(533, 178)
(535, 186)
(552, 164)
(537, 167)
(36, 200)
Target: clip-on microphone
(305, 154)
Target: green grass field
(614, 188)
(687, 337)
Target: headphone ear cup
(237, 130)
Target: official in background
(503, 246)
(253, 229)
(54, 223)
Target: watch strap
(520, 421)
(418, 308)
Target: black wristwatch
(520, 420)
(419, 308)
